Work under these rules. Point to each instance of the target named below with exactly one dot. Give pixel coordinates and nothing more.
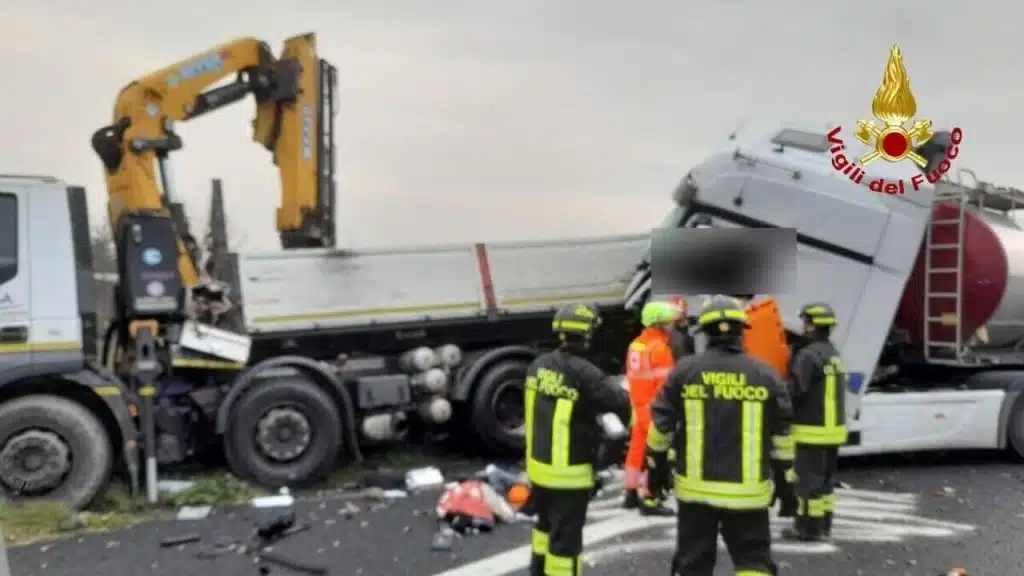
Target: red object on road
(466, 501)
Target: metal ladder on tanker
(939, 351)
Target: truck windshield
(8, 237)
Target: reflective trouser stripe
(830, 502)
(783, 448)
(751, 573)
(539, 542)
(813, 507)
(562, 565)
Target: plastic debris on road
(193, 512)
(283, 499)
(423, 478)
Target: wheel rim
(34, 462)
(507, 407)
(283, 434)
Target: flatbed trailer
(332, 350)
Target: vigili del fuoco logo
(894, 107)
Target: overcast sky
(498, 120)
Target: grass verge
(26, 523)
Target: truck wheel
(1015, 428)
(497, 413)
(283, 433)
(54, 449)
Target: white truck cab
(47, 279)
(62, 419)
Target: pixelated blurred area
(723, 260)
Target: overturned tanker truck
(928, 285)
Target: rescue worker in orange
(648, 363)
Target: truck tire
(283, 433)
(68, 445)
(497, 411)
(1015, 427)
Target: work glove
(658, 473)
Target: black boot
(536, 565)
(787, 509)
(826, 526)
(805, 529)
(655, 507)
(631, 501)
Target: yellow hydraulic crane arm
(294, 120)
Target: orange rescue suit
(648, 362)
(765, 339)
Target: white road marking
(861, 516)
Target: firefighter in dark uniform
(819, 424)
(720, 410)
(564, 397)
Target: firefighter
(720, 410)
(648, 361)
(564, 397)
(819, 424)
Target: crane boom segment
(292, 120)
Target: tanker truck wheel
(52, 448)
(1015, 429)
(283, 433)
(497, 414)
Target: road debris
(172, 541)
(423, 479)
(283, 499)
(193, 512)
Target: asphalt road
(917, 517)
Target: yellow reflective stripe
(782, 447)
(819, 435)
(814, 507)
(753, 456)
(671, 454)
(560, 433)
(658, 441)
(731, 495)
(791, 476)
(571, 325)
(722, 315)
(531, 396)
(107, 390)
(637, 346)
(694, 411)
(751, 573)
(539, 542)
(565, 477)
(558, 565)
(830, 502)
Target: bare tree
(104, 265)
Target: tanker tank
(992, 279)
